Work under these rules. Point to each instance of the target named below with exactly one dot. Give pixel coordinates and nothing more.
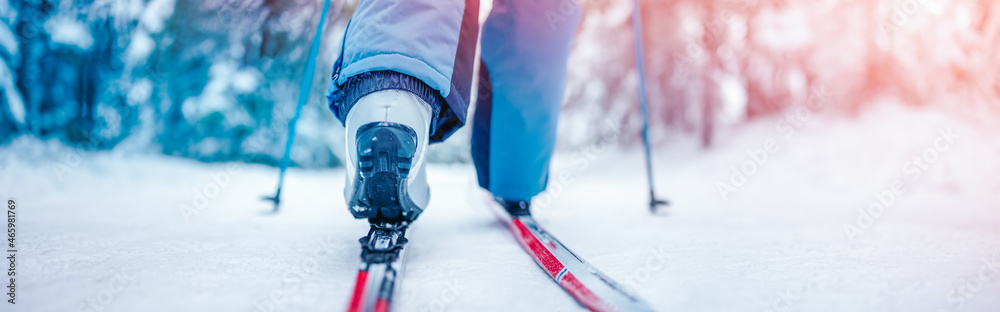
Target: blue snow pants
(428, 47)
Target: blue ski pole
(303, 99)
(640, 65)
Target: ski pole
(640, 66)
(303, 98)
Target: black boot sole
(385, 154)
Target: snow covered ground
(109, 232)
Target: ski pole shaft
(643, 104)
(304, 89)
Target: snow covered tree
(717, 62)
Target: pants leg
(426, 47)
(525, 46)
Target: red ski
(381, 268)
(583, 281)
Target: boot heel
(385, 155)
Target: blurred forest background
(218, 80)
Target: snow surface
(89, 221)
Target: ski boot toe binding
(516, 208)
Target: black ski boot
(515, 208)
(385, 153)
